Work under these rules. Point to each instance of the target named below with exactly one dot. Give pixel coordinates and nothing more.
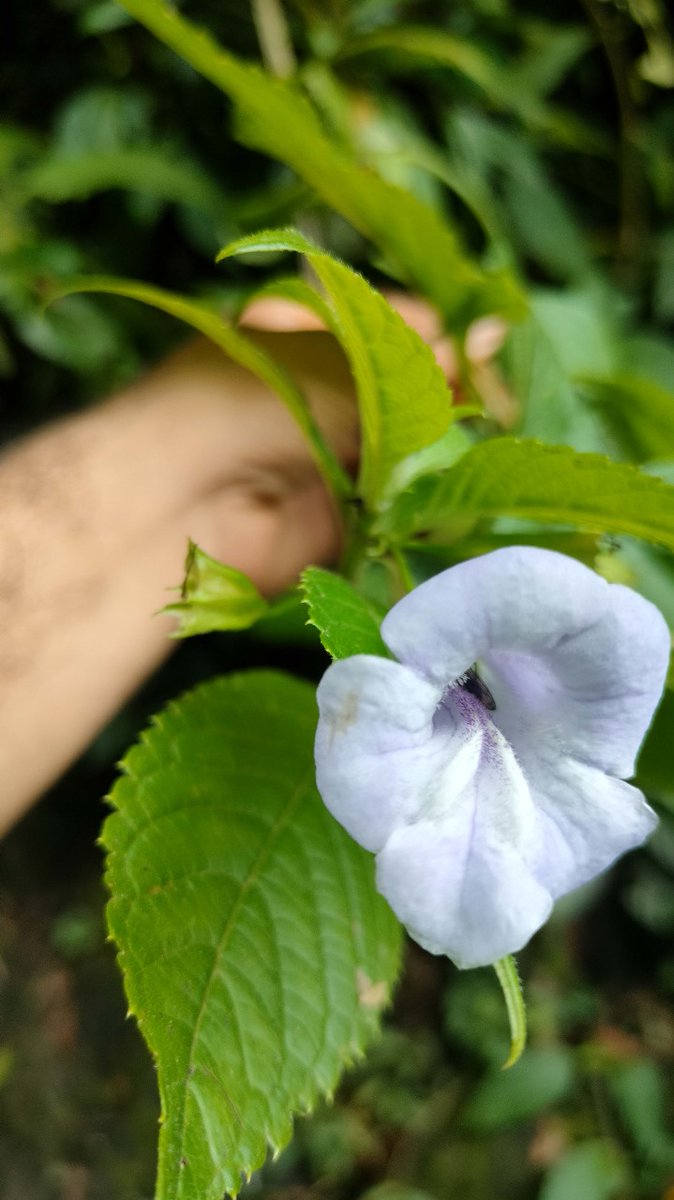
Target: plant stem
(402, 570)
(631, 227)
(272, 32)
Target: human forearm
(96, 511)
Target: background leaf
(347, 622)
(594, 1170)
(144, 169)
(506, 87)
(562, 336)
(256, 953)
(277, 119)
(541, 1077)
(640, 411)
(641, 1097)
(654, 765)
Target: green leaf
(422, 44)
(593, 1170)
(476, 1018)
(103, 117)
(403, 397)
(393, 1190)
(640, 411)
(141, 169)
(346, 621)
(583, 326)
(433, 458)
(663, 300)
(506, 477)
(564, 336)
(507, 88)
(235, 345)
(76, 334)
(539, 218)
(257, 955)
(517, 194)
(552, 50)
(655, 769)
(214, 596)
(542, 1077)
(101, 17)
(649, 898)
(647, 569)
(275, 117)
(640, 1093)
(648, 355)
(470, 185)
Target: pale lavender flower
(482, 816)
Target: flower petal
(568, 657)
(587, 820)
(374, 744)
(518, 599)
(461, 878)
(476, 921)
(591, 696)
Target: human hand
(97, 509)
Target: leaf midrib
(223, 941)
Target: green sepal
(511, 986)
(214, 596)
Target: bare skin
(96, 511)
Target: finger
(485, 338)
(280, 315)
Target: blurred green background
(549, 142)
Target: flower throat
(470, 682)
